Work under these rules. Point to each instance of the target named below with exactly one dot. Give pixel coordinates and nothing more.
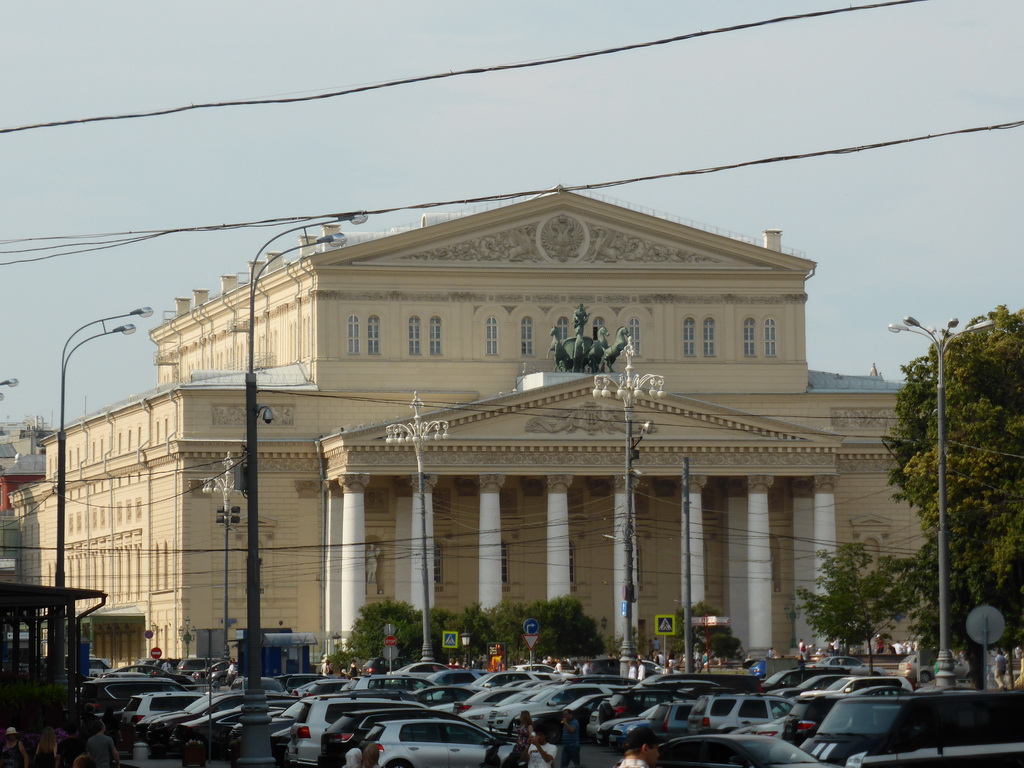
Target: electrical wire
(450, 74)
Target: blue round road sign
(531, 627)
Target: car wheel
(553, 731)
(398, 764)
(926, 676)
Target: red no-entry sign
(156, 653)
(390, 640)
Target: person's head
(642, 743)
(47, 741)
(567, 714)
(540, 738)
(12, 734)
(84, 761)
(371, 754)
(525, 718)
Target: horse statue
(596, 357)
(612, 353)
(577, 351)
(558, 351)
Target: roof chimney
(274, 261)
(228, 283)
(200, 296)
(773, 239)
(308, 243)
(181, 306)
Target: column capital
(491, 483)
(802, 485)
(559, 483)
(826, 483)
(759, 483)
(697, 483)
(429, 481)
(354, 483)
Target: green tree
(858, 597)
(984, 378)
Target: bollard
(140, 751)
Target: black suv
(806, 715)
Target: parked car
(791, 678)
(851, 664)
(908, 668)
(323, 686)
(280, 732)
(548, 718)
(725, 712)
(953, 728)
(433, 743)
(729, 749)
(802, 721)
(143, 704)
(667, 720)
(349, 731)
(816, 683)
(630, 704)
(381, 666)
(388, 683)
(298, 679)
(316, 713)
(98, 666)
(852, 684)
(266, 683)
(456, 677)
(208, 730)
(422, 668)
(194, 667)
(501, 718)
(447, 696)
(115, 692)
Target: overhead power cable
(455, 73)
(131, 237)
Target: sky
(925, 229)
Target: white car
(435, 743)
(849, 664)
(501, 717)
(853, 684)
(420, 668)
(908, 668)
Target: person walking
(14, 754)
(570, 739)
(101, 748)
(538, 753)
(72, 746)
(46, 751)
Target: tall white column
(403, 547)
(418, 519)
(697, 483)
(332, 564)
(490, 540)
(353, 550)
(804, 548)
(824, 516)
(558, 535)
(759, 564)
(619, 554)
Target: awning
(284, 639)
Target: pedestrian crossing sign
(449, 639)
(665, 624)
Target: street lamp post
(944, 677)
(416, 434)
(255, 741)
(8, 383)
(227, 516)
(466, 637)
(59, 574)
(628, 386)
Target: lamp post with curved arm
(416, 434)
(8, 383)
(58, 649)
(944, 677)
(255, 741)
(628, 386)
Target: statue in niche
(372, 555)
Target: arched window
(563, 328)
(634, 332)
(526, 337)
(749, 338)
(491, 336)
(769, 338)
(414, 335)
(438, 570)
(373, 335)
(435, 335)
(709, 337)
(689, 337)
(353, 334)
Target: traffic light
(231, 519)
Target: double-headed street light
(255, 742)
(416, 434)
(941, 339)
(627, 386)
(59, 577)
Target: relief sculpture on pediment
(590, 418)
(608, 245)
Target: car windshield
(197, 706)
(775, 752)
(865, 717)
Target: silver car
(434, 743)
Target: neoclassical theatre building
(484, 316)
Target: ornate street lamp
(224, 484)
(416, 434)
(255, 741)
(944, 677)
(59, 574)
(627, 386)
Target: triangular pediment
(562, 230)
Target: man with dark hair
(101, 748)
(641, 747)
(72, 745)
(570, 739)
